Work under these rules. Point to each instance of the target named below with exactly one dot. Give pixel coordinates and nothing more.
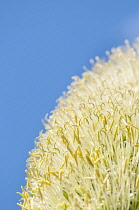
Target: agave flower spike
(88, 157)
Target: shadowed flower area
(88, 157)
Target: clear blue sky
(43, 43)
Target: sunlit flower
(88, 158)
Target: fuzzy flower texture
(88, 158)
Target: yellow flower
(88, 157)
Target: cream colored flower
(88, 158)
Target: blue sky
(43, 43)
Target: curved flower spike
(87, 159)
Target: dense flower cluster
(88, 158)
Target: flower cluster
(88, 158)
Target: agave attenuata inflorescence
(88, 158)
